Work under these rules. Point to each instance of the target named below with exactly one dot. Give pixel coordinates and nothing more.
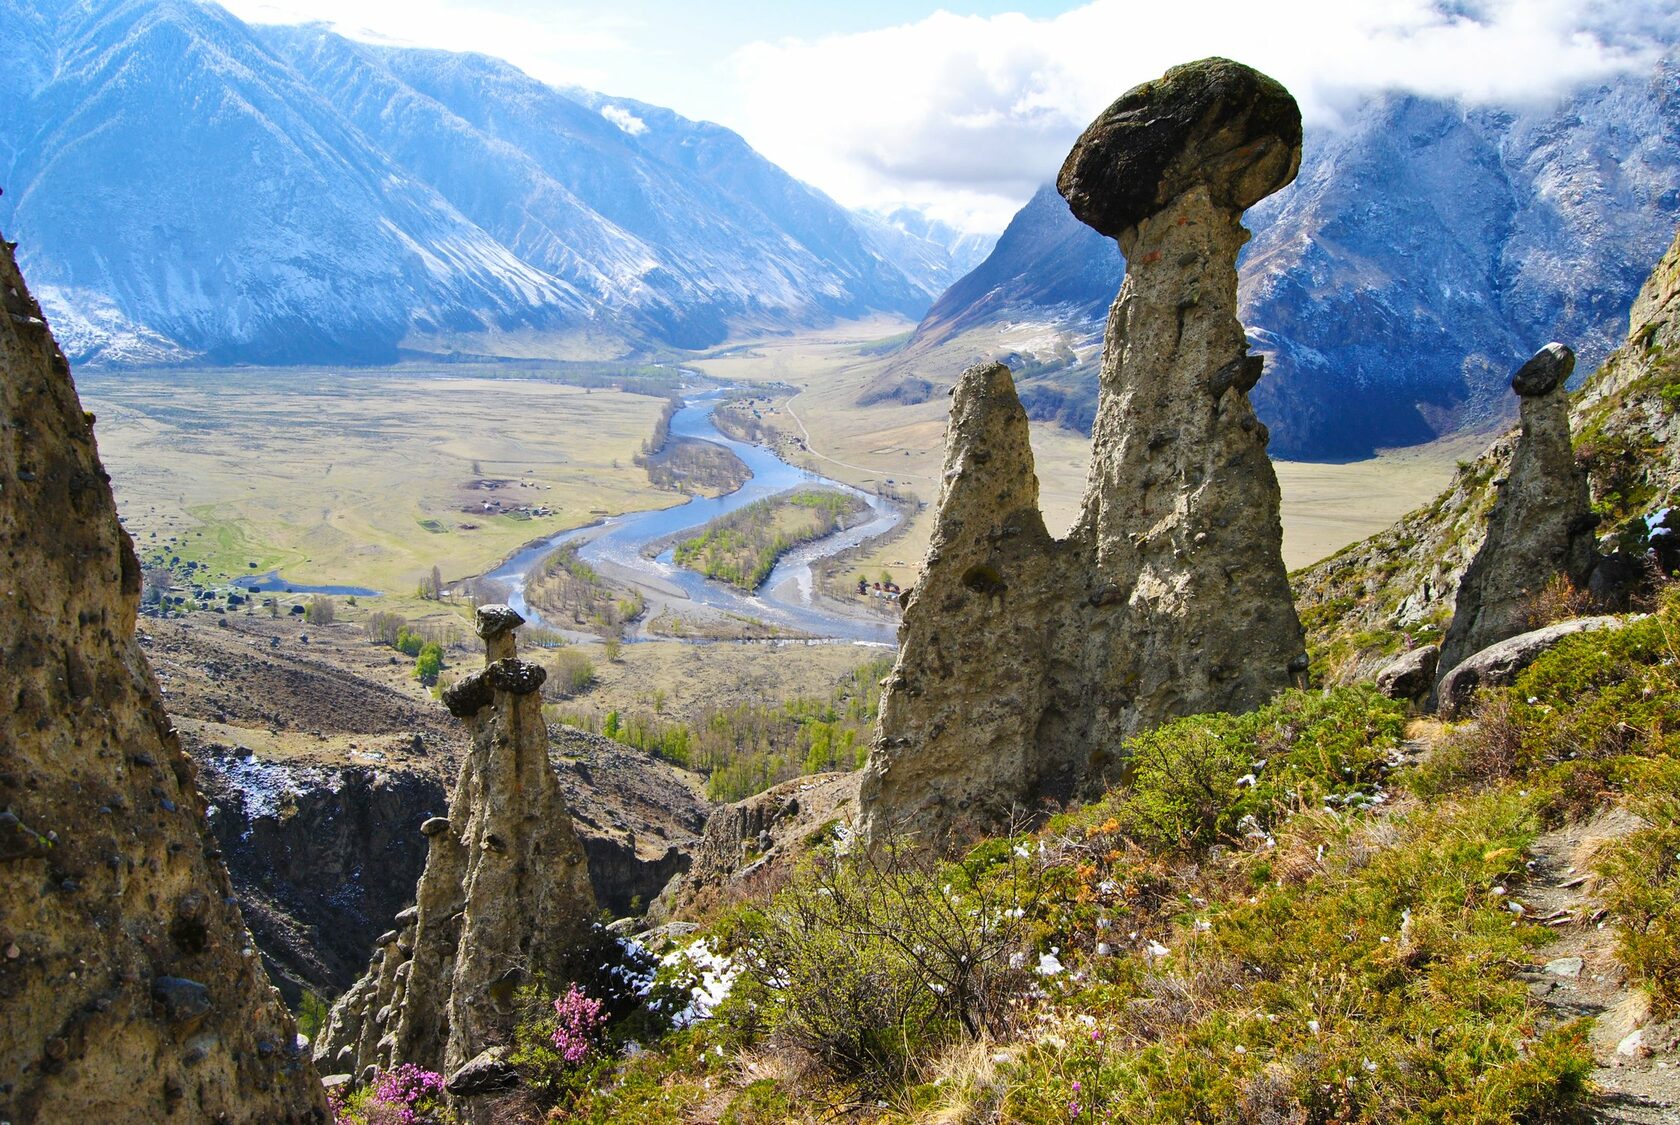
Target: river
(786, 599)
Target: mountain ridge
(391, 199)
(1425, 249)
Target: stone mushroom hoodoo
(129, 987)
(505, 898)
(1541, 525)
(1024, 661)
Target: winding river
(786, 599)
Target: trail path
(1636, 1066)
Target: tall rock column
(505, 898)
(129, 988)
(1541, 525)
(959, 717)
(1026, 662)
(1181, 517)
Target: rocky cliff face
(129, 988)
(322, 858)
(505, 898)
(1025, 662)
(1400, 586)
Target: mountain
(183, 185)
(932, 254)
(1424, 251)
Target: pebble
(1565, 967)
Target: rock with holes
(1025, 662)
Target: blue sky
(962, 109)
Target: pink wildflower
(580, 1023)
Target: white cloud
(970, 114)
(565, 46)
(624, 119)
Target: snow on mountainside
(199, 187)
(932, 254)
(1425, 250)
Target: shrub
(1212, 778)
(577, 1025)
(404, 1095)
(872, 965)
(320, 610)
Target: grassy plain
(362, 477)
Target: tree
(320, 611)
(428, 664)
(610, 726)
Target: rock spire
(505, 899)
(1541, 525)
(1025, 662)
(129, 987)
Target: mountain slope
(1361, 604)
(124, 198)
(931, 254)
(183, 185)
(1423, 252)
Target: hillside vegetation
(1369, 600)
(1297, 914)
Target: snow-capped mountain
(932, 254)
(1424, 251)
(181, 185)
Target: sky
(963, 109)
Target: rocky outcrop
(1025, 662)
(321, 859)
(505, 899)
(129, 989)
(1410, 677)
(756, 843)
(1541, 525)
(1499, 663)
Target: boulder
(1499, 664)
(1411, 675)
(488, 1072)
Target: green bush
(428, 663)
(1213, 778)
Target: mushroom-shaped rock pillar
(1541, 526)
(1182, 508)
(1026, 662)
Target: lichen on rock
(129, 988)
(1025, 662)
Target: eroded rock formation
(1025, 662)
(129, 988)
(1541, 525)
(505, 898)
